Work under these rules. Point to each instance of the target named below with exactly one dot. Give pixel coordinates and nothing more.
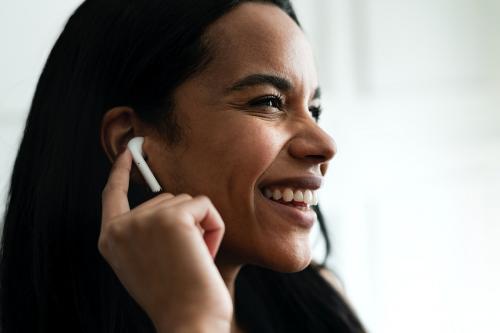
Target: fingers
(215, 232)
(161, 201)
(205, 214)
(115, 203)
(114, 195)
(177, 200)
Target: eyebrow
(278, 82)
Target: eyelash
(315, 110)
(264, 101)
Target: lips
(298, 191)
(309, 182)
(301, 216)
(295, 210)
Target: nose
(313, 145)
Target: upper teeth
(288, 194)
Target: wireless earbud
(135, 147)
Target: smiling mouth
(302, 199)
(297, 212)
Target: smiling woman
(226, 96)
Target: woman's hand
(161, 257)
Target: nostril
(317, 158)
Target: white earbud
(135, 146)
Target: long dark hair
(52, 277)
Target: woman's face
(239, 138)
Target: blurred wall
(413, 195)
(28, 30)
(412, 97)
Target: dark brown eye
(268, 101)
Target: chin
(287, 260)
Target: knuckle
(102, 245)
(166, 195)
(204, 199)
(114, 232)
(184, 196)
(106, 238)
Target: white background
(412, 97)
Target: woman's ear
(118, 126)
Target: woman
(226, 96)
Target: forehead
(259, 38)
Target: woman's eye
(268, 101)
(276, 102)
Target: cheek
(252, 150)
(226, 157)
(242, 156)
